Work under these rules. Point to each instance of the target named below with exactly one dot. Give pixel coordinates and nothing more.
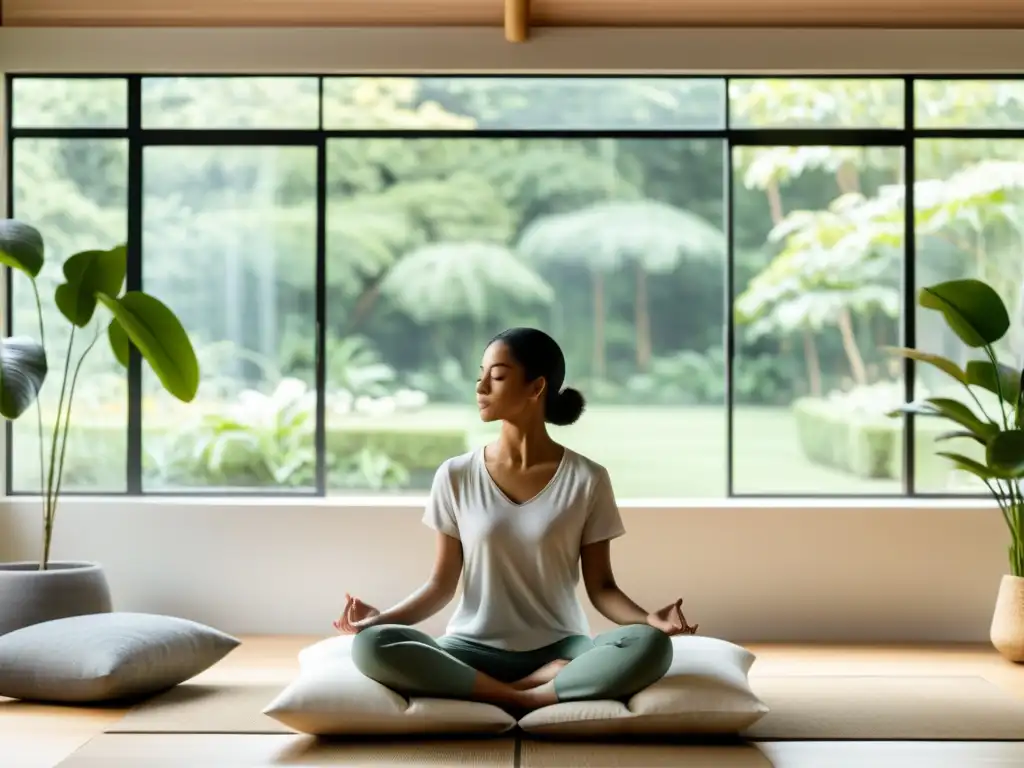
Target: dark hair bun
(566, 407)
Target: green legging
(613, 665)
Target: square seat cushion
(330, 697)
(106, 657)
(706, 691)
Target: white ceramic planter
(1008, 619)
(30, 596)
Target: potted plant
(978, 316)
(33, 592)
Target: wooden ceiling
(922, 14)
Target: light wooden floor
(33, 736)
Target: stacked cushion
(330, 697)
(705, 691)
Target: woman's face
(502, 393)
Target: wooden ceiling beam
(935, 14)
(517, 20)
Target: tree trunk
(813, 363)
(364, 304)
(848, 178)
(810, 347)
(860, 374)
(643, 321)
(775, 202)
(599, 352)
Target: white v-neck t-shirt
(521, 562)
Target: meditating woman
(516, 519)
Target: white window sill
(341, 503)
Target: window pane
(816, 103)
(69, 103)
(230, 102)
(74, 191)
(969, 103)
(818, 267)
(969, 201)
(523, 103)
(615, 247)
(230, 245)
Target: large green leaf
(87, 274)
(943, 364)
(972, 309)
(961, 434)
(954, 411)
(998, 379)
(22, 373)
(159, 336)
(119, 343)
(970, 465)
(1019, 405)
(21, 247)
(1005, 453)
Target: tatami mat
(891, 754)
(777, 754)
(886, 707)
(541, 754)
(804, 707)
(194, 708)
(250, 751)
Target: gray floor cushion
(106, 657)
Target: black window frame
(139, 138)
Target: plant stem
(999, 383)
(39, 313)
(980, 406)
(1014, 502)
(1017, 546)
(50, 502)
(67, 414)
(997, 494)
(42, 477)
(1011, 504)
(39, 424)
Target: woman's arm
(599, 579)
(435, 594)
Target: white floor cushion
(105, 657)
(705, 691)
(333, 648)
(330, 697)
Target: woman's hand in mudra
(671, 620)
(356, 616)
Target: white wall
(845, 573)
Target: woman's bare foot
(491, 691)
(540, 676)
(540, 696)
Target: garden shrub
(96, 456)
(418, 449)
(864, 444)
